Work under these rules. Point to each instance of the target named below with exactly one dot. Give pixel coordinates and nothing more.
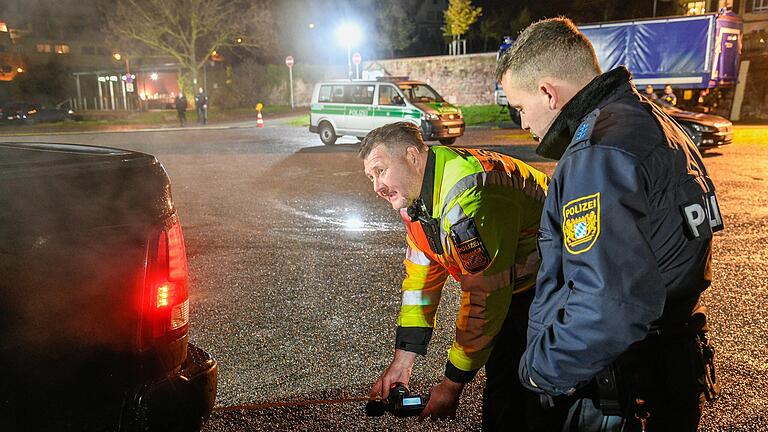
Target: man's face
(396, 177)
(536, 114)
(648, 90)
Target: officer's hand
(443, 400)
(398, 371)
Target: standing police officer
(616, 332)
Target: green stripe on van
(365, 110)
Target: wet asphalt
(296, 265)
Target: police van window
(360, 94)
(420, 93)
(386, 95)
(338, 94)
(325, 94)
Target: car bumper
(436, 129)
(716, 139)
(183, 400)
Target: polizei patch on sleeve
(469, 247)
(581, 223)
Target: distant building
(34, 33)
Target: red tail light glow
(163, 296)
(165, 304)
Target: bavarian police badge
(581, 223)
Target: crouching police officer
(616, 332)
(473, 214)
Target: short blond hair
(553, 48)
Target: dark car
(94, 317)
(25, 113)
(706, 130)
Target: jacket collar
(592, 96)
(428, 183)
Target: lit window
(698, 7)
(43, 48)
(760, 5)
(62, 49)
(727, 4)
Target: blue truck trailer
(689, 53)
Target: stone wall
(463, 80)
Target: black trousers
(506, 403)
(666, 371)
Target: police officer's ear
(412, 155)
(546, 89)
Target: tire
(327, 134)
(447, 141)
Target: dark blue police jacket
(625, 234)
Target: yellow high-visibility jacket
(484, 208)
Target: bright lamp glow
(153, 76)
(349, 34)
(354, 223)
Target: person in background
(201, 106)
(669, 98)
(181, 108)
(650, 94)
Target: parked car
(706, 130)
(94, 316)
(25, 113)
(357, 107)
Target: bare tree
(189, 31)
(396, 28)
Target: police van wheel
(327, 134)
(447, 141)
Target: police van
(356, 107)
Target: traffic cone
(259, 120)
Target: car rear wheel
(447, 141)
(327, 134)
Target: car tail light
(165, 301)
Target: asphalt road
(296, 266)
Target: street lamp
(349, 34)
(127, 79)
